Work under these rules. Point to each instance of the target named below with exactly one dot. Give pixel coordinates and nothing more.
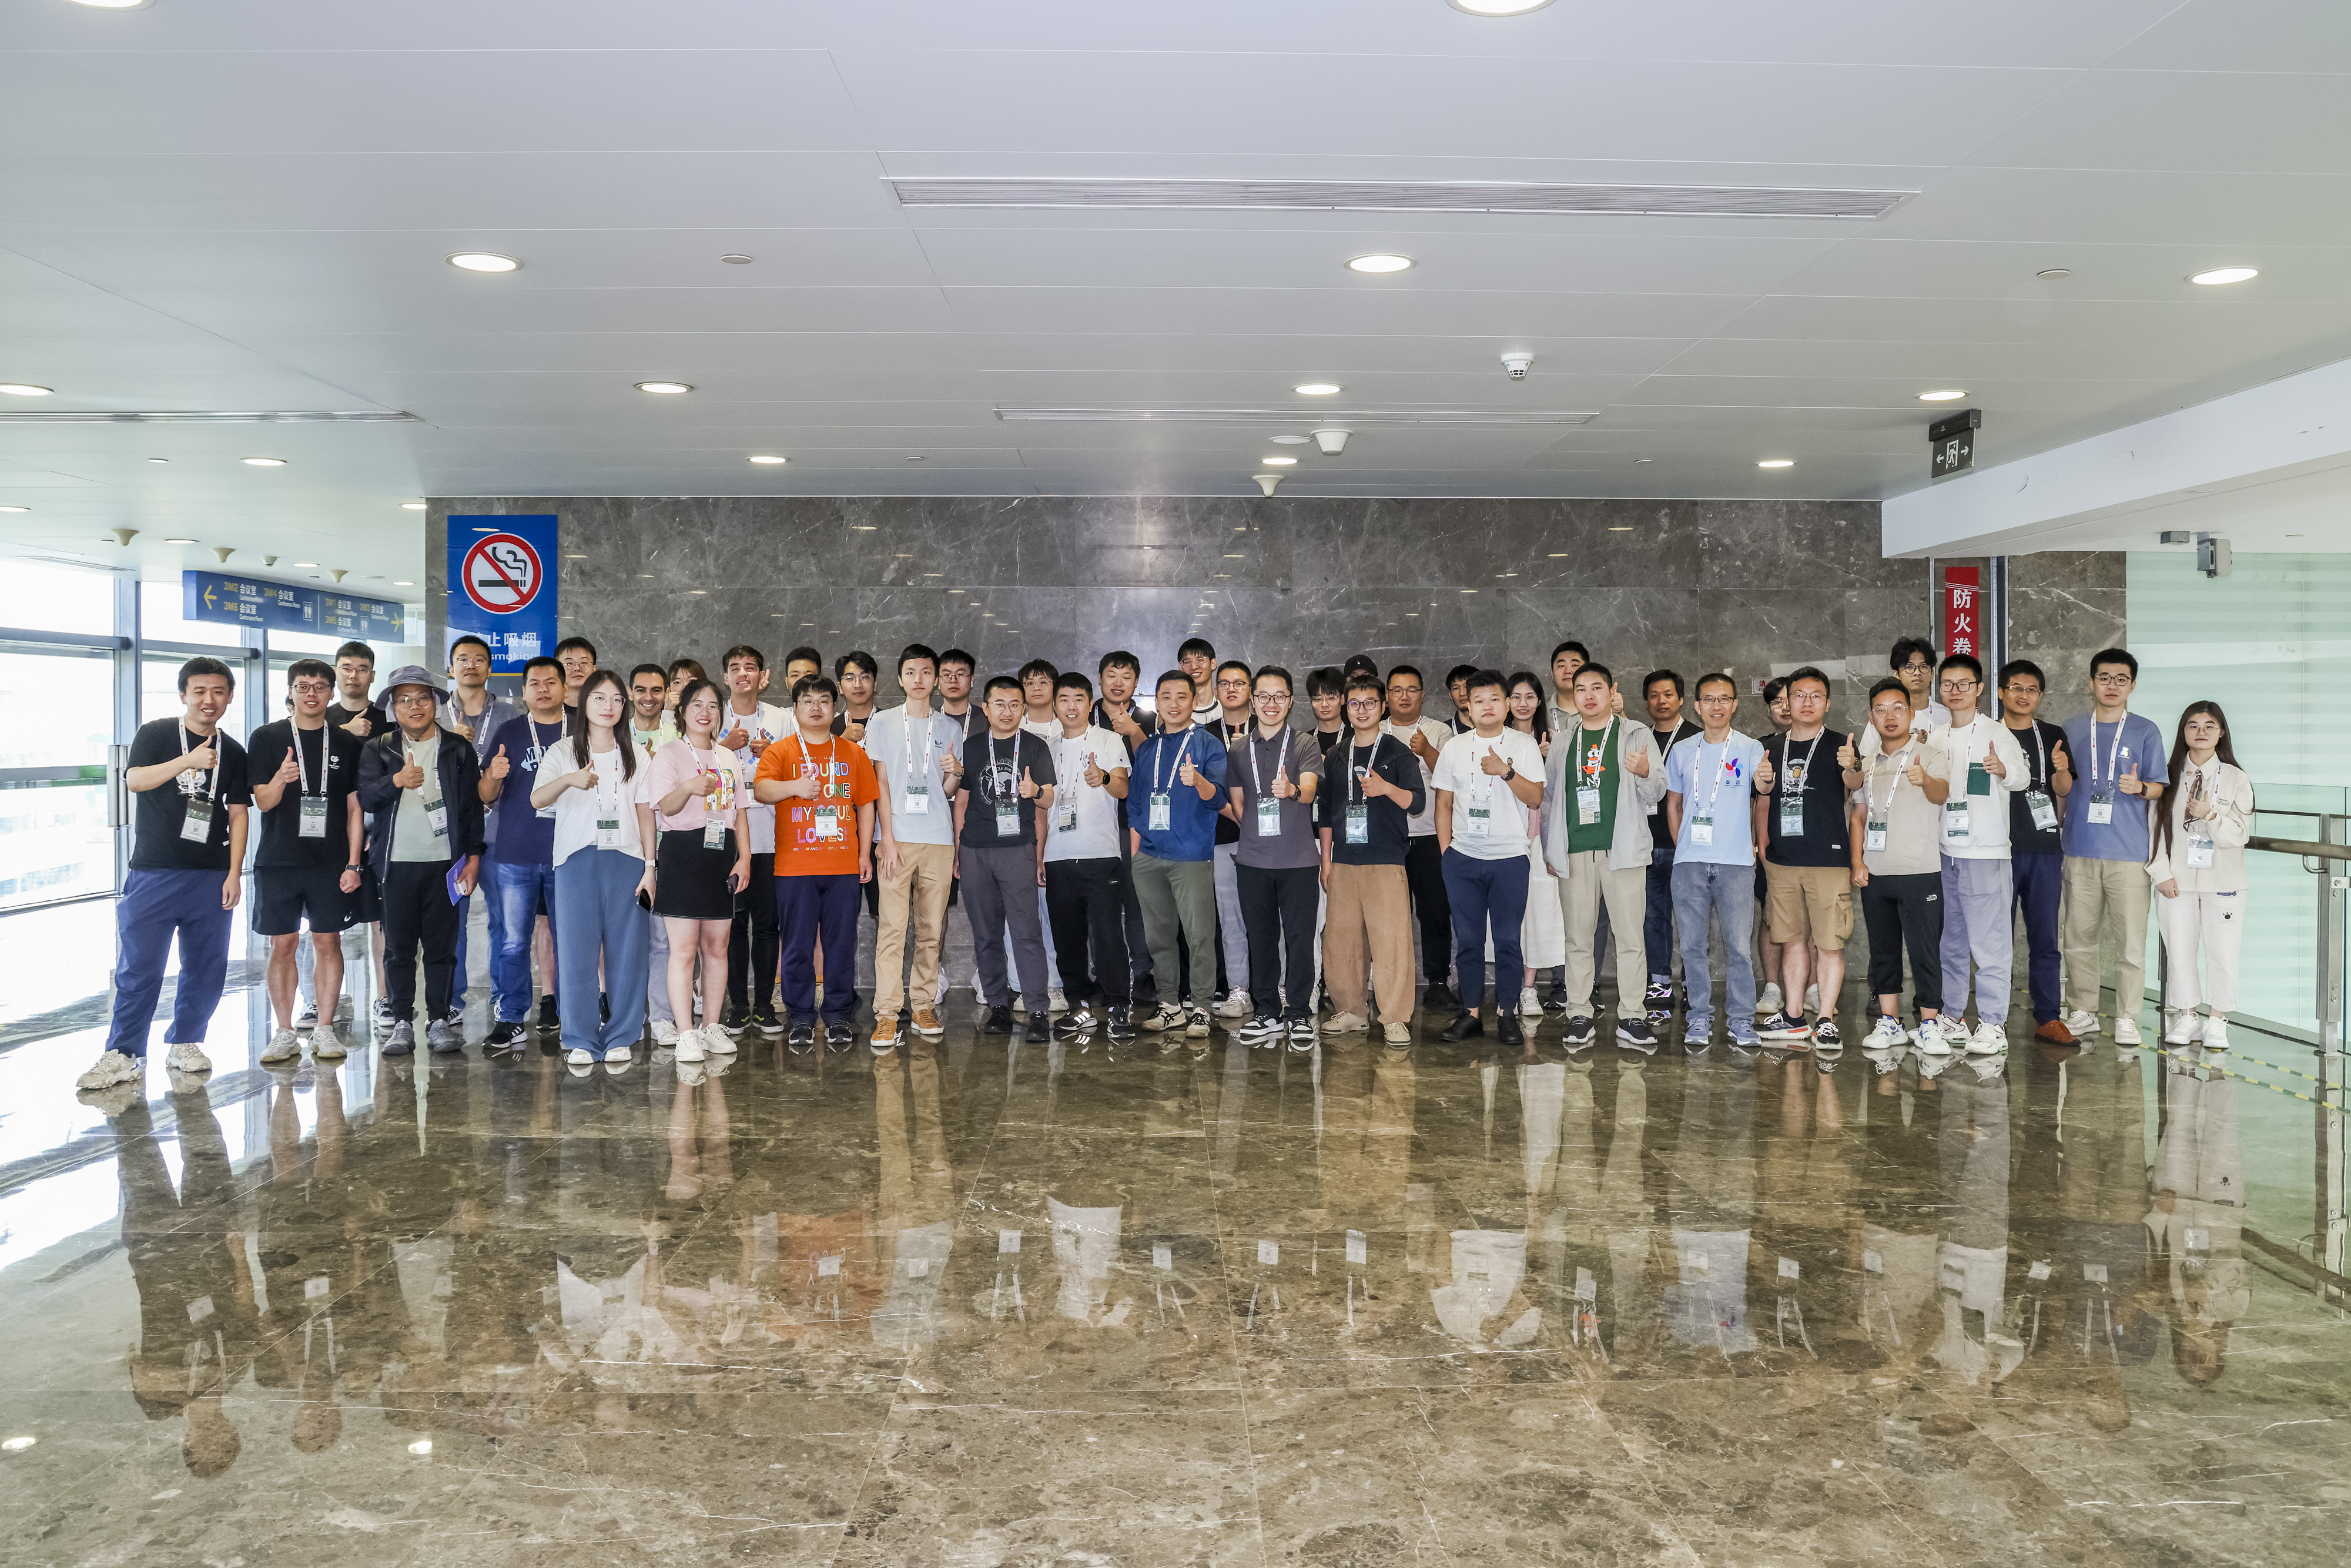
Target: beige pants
(2096, 889)
(919, 890)
(1370, 918)
(1588, 881)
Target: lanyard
(1281, 745)
(538, 745)
(1158, 759)
(726, 790)
(1786, 744)
(906, 738)
(302, 763)
(1355, 780)
(211, 785)
(1958, 744)
(993, 777)
(808, 761)
(1869, 784)
(2040, 756)
(1723, 764)
(2113, 751)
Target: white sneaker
(1812, 998)
(666, 1032)
(1530, 1003)
(2216, 1033)
(326, 1043)
(2082, 1024)
(1235, 1005)
(578, 1057)
(2125, 1031)
(1055, 1002)
(110, 1069)
(1934, 1039)
(1889, 1035)
(619, 1056)
(689, 1045)
(1769, 1002)
(717, 1042)
(1345, 1023)
(2182, 1026)
(188, 1057)
(283, 1045)
(1988, 1039)
(307, 1016)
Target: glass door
(56, 836)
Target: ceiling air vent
(204, 416)
(1205, 414)
(1400, 196)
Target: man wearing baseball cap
(425, 810)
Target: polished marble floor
(985, 1303)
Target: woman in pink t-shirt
(698, 790)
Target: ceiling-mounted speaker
(1269, 482)
(1331, 442)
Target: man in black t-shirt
(1117, 711)
(307, 867)
(1807, 856)
(1008, 774)
(188, 841)
(2036, 850)
(1373, 790)
(354, 712)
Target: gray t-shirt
(1912, 827)
(1251, 767)
(912, 763)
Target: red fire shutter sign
(1962, 622)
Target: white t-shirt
(1489, 821)
(1048, 730)
(1933, 716)
(577, 811)
(903, 763)
(768, 723)
(1095, 834)
(1986, 815)
(1440, 734)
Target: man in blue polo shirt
(1173, 796)
(2122, 766)
(523, 848)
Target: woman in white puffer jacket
(2198, 866)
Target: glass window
(42, 598)
(54, 838)
(160, 620)
(159, 695)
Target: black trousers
(417, 911)
(1899, 910)
(752, 943)
(1423, 874)
(1086, 901)
(1278, 904)
(1138, 944)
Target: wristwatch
(1510, 770)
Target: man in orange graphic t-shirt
(824, 850)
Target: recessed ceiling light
(1948, 394)
(1776, 463)
(177, 540)
(667, 388)
(916, 458)
(736, 259)
(265, 462)
(1278, 462)
(412, 506)
(1498, 7)
(26, 389)
(484, 261)
(1315, 389)
(402, 583)
(159, 460)
(300, 565)
(15, 509)
(1645, 460)
(766, 457)
(2054, 274)
(116, 4)
(2225, 275)
(1287, 440)
(1380, 261)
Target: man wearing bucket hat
(425, 810)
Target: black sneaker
(1637, 1033)
(1466, 1025)
(1577, 1031)
(800, 1036)
(506, 1035)
(997, 1021)
(548, 1017)
(733, 1017)
(1507, 1031)
(1121, 1024)
(1784, 1026)
(1825, 1035)
(1660, 995)
(1262, 1031)
(1555, 1001)
(765, 1021)
(1437, 996)
(1082, 1018)
(839, 1035)
(1302, 1034)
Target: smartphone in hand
(645, 900)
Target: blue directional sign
(257, 605)
(369, 620)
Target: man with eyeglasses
(1376, 787)
(420, 784)
(477, 716)
(1423, 865)
(2125, 771)
(1273, 773)
(307, 867)
(2036, 844)
(1985, 766)
(1913, 664)
(1714, 784)
(1232, 726)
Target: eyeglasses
(2022, 688)
(1404, 691)
(312, 688)
(1363, 702)
(2112, 680)
(1273, 696)
(1891, 708)
(1916, 666)
(1716, 700)
(1960, 686)
(412, 700)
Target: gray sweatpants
(999, 893)
(1977, 923)
(1179, 904)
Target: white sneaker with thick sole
(2126, 1031)
(717, 1042)
(2182, 1027)
(283, 1045)
(1345, 1023)
(664, 1032)
(1235, 1005)
(326, 1043)
(1988, 1039)
(619, 1056)
(2081, 1024)
(110, 1069)
(2216, 1033)
(578, 1057)
(1933, 1039)
(1530, 1003)
(1769, 1002)
(1889, 1035)
(188, 1057)
(689, 1045)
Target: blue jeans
(1481, 892)
(1725, 894)
(485, 884)
(2040, 879)
(156, 906)
(596, 898)
(1657, 923)
(524, 890)
(810, 908)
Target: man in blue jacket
(425, 823)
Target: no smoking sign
(502, 573)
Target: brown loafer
(2055, 1032)
(928, 1024)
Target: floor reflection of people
(917, 1193)
(1805, 1213)
(1710, 1202)
(498, 1325)
(305, 1258)
(2196, 1221)
(1975, 1345)
(197, 1324)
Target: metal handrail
(2310, 849)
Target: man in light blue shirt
(2120, 769)
(916, 762)
(1714, 782)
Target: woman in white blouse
(2198, 866)
(603, 825)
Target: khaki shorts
(1809, 904)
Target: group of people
(1144, 860)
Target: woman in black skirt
(698, 789)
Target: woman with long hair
(603, 824)
(698, 789)
(1543, 936)
(2198, 863)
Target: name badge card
(1268, 818)
(917, 800)
(1876, 839)
(2044, 808)
(1163, 811)
(1701, 832)
(827, 822)
(714, 831)
(1587, 805)
(197, 826)
(314, 817)
(2102, 803)
(1477, 821)
(1007, 821)
(1359, 824)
